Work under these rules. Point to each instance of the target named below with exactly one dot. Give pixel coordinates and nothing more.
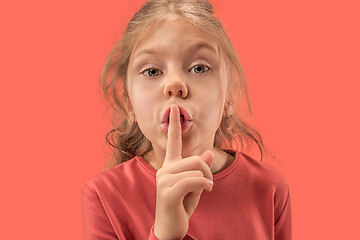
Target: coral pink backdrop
(301, 60)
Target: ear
(229, 107)
(229, 103)
(230, 94)
(129, 109)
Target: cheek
(213, 101)
(142, 109)
(143, 101)
(141, 105)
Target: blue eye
(152, 72)
(199, 69)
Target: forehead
(171, 36)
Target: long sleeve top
(249, 200)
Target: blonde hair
(126, 139)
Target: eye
(152, 72)
(199, 69)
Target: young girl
(175, 81)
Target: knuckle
(162, 181)
(159, 173)
(162, 194)
(200, 164)
(198, 161)
(199, 173)
(159, 182)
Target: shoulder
(263, 175)
(113, 178)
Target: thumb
(208, 157)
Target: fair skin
(176, 66)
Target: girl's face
(176, 63)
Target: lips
(185, 118)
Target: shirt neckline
(217, 176)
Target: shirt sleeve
(283, 224)
(97, 225)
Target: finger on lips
(174, 141)
(174, 149)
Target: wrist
(164, 234)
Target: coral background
(301, 60)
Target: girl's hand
(179, 184)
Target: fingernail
(211, 183)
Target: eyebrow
(194, 47)
(205, 45)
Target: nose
(175, 86)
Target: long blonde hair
(126, 139)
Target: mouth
(185, 120)
(182, 118)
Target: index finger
(174, 141)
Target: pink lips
(185, 125)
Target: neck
(221, 159)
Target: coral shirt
(249, 200)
